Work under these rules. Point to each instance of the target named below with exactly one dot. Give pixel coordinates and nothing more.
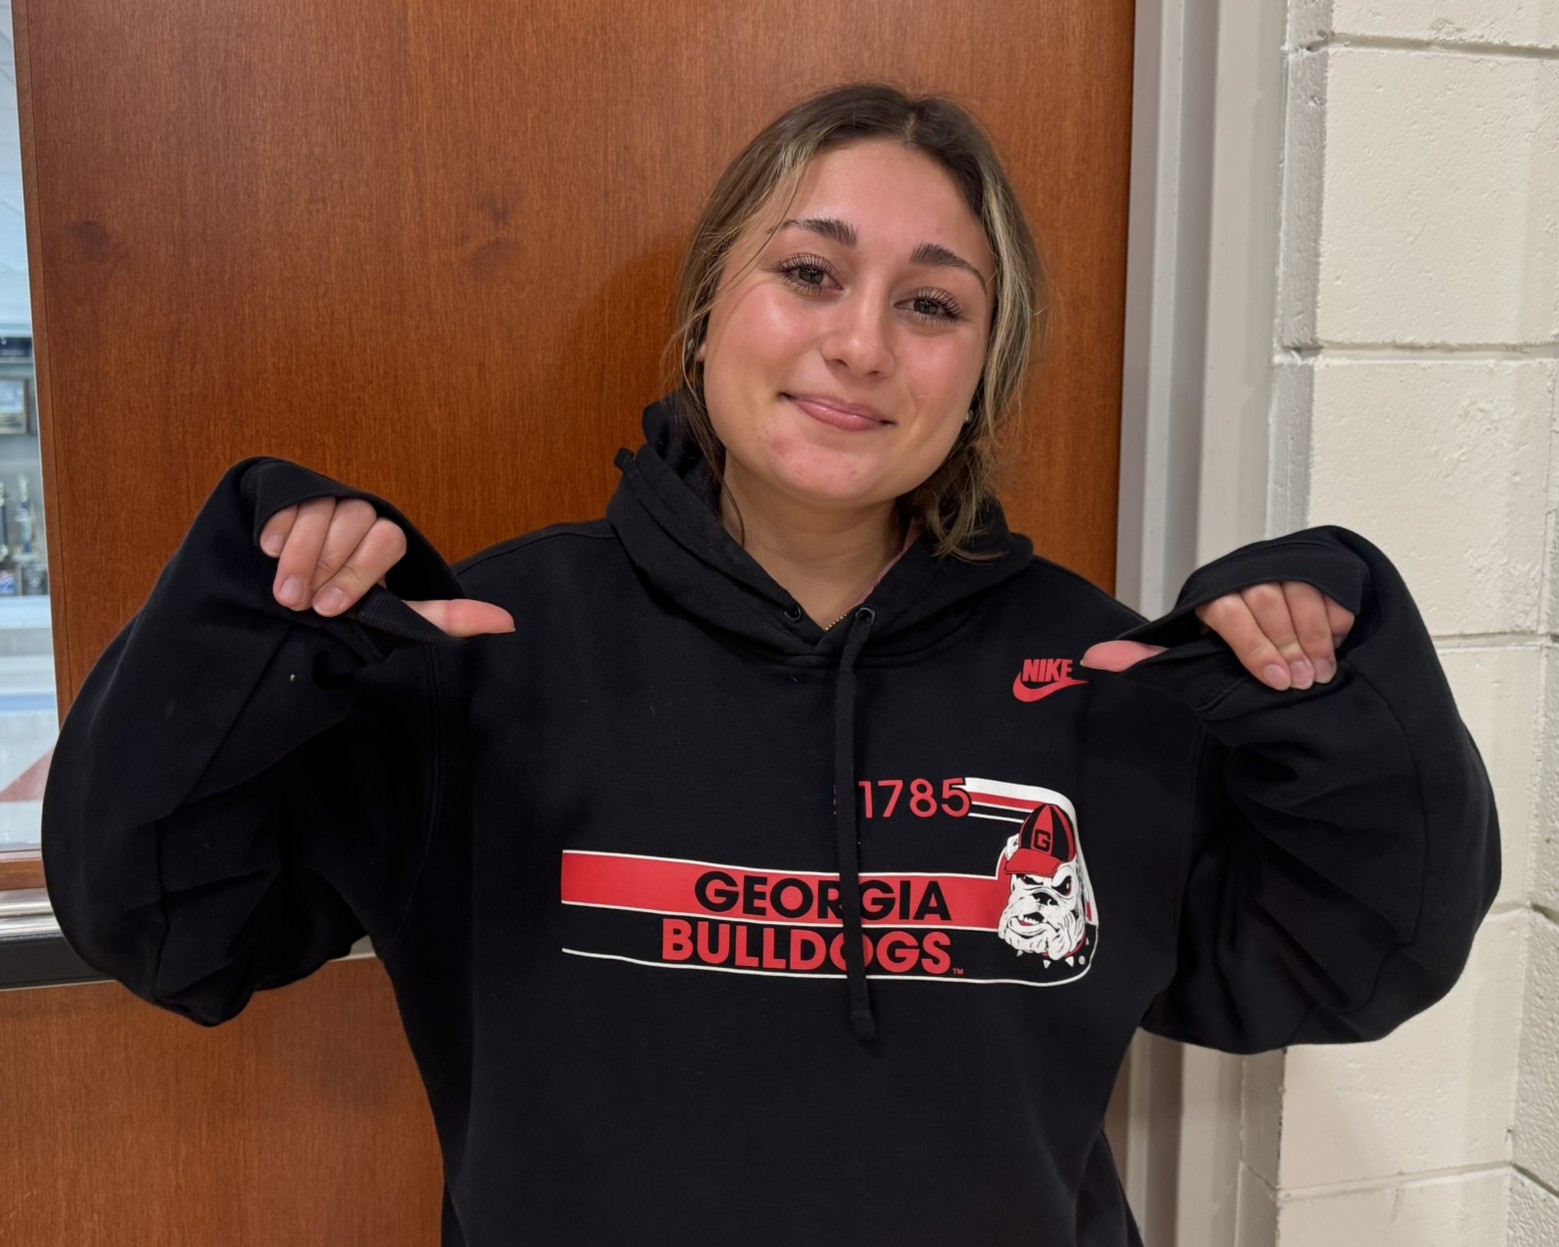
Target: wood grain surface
(302, 1122)
(20, 868)
(428, 248)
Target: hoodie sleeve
(241, 791)
(1345, 845)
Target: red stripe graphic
(1009, 803)
(671, 886)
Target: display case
(28, 712)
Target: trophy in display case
(13, 406)
(26, 524)
(8, 585)
(32, 570)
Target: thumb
(1118, 655)
(465, 616)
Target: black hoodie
(601, 858)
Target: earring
(969, 416)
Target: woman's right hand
(331, 551)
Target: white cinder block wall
(1415, 402)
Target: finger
(274, 535)
(465, 616)
(295, 565)
(351, 522)
(1118, 655)
(1269, 606)
(1307, 608)
(1340, 619)
(1232, 620)
(381, 548)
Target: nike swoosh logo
(1029, 692)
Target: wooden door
(427, 248)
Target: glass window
(28, 714)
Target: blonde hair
(951, 501)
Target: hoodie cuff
(1198, 668)
(272, 485)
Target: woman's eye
(807, 272)
(929, 307)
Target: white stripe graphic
(906, 977)
(977, 788)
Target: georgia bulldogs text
(1033, 920)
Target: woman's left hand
(1286, 634)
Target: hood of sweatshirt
(665, 515)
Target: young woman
(790, 856)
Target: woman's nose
(859, 336)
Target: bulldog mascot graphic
(1051, 903)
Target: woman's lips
(852, 417)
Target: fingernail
(292, 592)
(329, 601)
(272, 545)
(1325, 669)
(1302, 673)
(1275, 674)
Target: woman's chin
(834, 489)
(829, 478)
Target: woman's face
(843, 352)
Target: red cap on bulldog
(1045, 842)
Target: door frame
(1198, 478)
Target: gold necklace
(903, 537)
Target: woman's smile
(839, 414)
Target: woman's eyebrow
(928, 253)
(936, 255)
(829, 227)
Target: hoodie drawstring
(861, 1018)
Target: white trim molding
(1196, 475)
